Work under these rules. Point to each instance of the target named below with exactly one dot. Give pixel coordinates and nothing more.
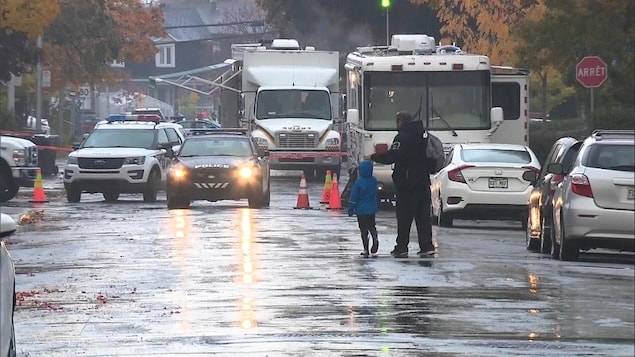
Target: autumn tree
(90, 34)
(571, 30)
(21, 22)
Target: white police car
(123, 154)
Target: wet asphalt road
(134, 279)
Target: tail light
(379, 148)
(580, 184)
(456, 175)
(553, 183)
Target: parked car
(7, 290)
(537, 237)
(123, 154)
(219, 164)
(483, 181)
(594, 206)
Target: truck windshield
(293, 103)
(119, 138)
(457, 100)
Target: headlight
(72, 160)
(178, 173)
(138, 160)
(246, 172)
(19, 156)
(332, 141)
(262, 142)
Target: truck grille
(297, 140)
(100, 163)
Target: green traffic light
(385, 3)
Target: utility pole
(38, 90)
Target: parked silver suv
(594, 206)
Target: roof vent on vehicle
(449, 50)
(285, 44)
(417, 44)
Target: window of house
(166, 56)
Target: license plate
(497, 182)
(631, 193)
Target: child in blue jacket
(363, 203)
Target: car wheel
(73, 194)
(545, 235)
(569, 250)
(111, 196)
(433, 219)
(176, 202)
(531, 244)
(445, 219)
(256, 198)
(267, 200)
(555, 247)
(8, 188)
(152, 186)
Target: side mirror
(555, 168)
(76, 145)
(530, 176)
(497, 116)
(352, 116)
(263, 152)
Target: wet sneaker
(399, 254)
(375, 246)
(426, 253)
(364, 254)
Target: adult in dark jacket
(363, 203)
(411, 177)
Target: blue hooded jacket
(363, 199)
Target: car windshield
(116, 138)
(496, 155)
(216, 147)
(611, 157)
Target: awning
(194, 80)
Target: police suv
(123, 154)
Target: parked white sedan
(483, 181)
(7, 289)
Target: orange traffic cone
(328, 186)
(38, 189)
(335, 202)
(303, 195)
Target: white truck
(461, 97)
(18, 165)
(287, 97)
(291, 103)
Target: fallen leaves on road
(26, 300)
(31, 217)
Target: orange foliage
(484, 26)
(28, 16)
(139, 24)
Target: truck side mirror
(496, 115)
(352, 116)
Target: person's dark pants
(366, 224)
(414, 204)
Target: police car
(219, 164)
(123, 154)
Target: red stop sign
(591, 71)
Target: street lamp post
(386, 5)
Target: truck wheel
(111, 196)
(73, 194)
(152, 186)
(8, 188)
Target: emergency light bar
(154, 118)
(209, 131)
